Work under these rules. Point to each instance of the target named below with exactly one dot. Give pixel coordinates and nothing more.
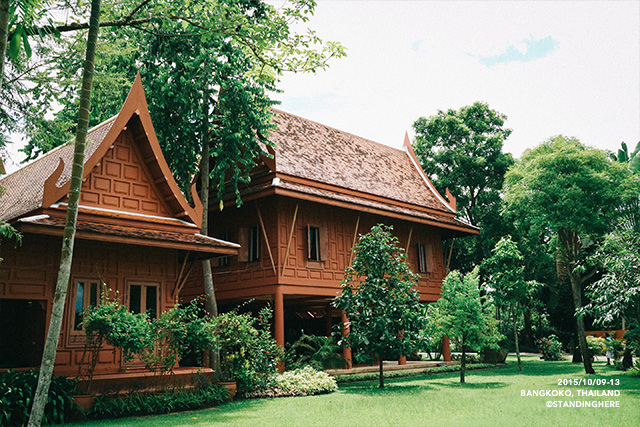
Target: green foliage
(113, 323)
(380, 299)
(460, 313)
(16, 398)
(597, 346)
(300, 382)
(171, 400)
(462, 151)
(635, 370)
(316, 351)
(183, 329)
(225, 54)
(248, 353)
(616, 294)
(551, 348)
(566, 185)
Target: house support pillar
(279, 322)
(346, 351)
(446, 350)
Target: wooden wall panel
(299, 272)
(31, 271)
(122, 181)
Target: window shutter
(431, 267)
(243, 241)
(308, 242)
(324, 244)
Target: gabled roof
(330, 164)
(46, 180)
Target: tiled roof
(24, 187)
(320, 153)
(140, 234)
(355, 166)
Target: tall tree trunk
(571, 245)
(381, 372)
(463, 361)
(209, 290)
(515, 337)
(68, 238)
(4, 34)
(527, 337)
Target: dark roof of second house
(334, 165)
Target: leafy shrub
(299, 382)
(16, 398)
(184, 329)
(248, 353)
(316, 351)
(551, 348)
(470, 358)
(596, 346)
(138, 403)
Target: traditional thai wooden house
(135, 230)
(301, 216)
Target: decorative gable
(122, 181)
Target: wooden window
(426, 262)
(422, 258)
(254, 243)
(223, 261)
(317, 243)
(249, 240)
(85, 295)
(313, 243)
(143, 298)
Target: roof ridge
(58, 148)
(338, 130)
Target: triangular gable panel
(129, 166)
(122, 181)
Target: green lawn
(489, 398)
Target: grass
(489, 398)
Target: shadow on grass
(472, 385)
(388, 389)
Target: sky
(552, 67)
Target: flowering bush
(248, 353)
(550, 347)
(299, 382)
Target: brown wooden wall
(301, 276)
(122, 181)
(29, 273)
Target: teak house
(135, 229)
(136, 232)
(301, 216)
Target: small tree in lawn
(509, 289)
(461, 315)
(380, 299)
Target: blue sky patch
(534, 49)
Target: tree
(68, 238)
(462, 151)
(380, 299)
(197, 59)
(509, 289)
(616, 294)
(573, 191)
(460, 315)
